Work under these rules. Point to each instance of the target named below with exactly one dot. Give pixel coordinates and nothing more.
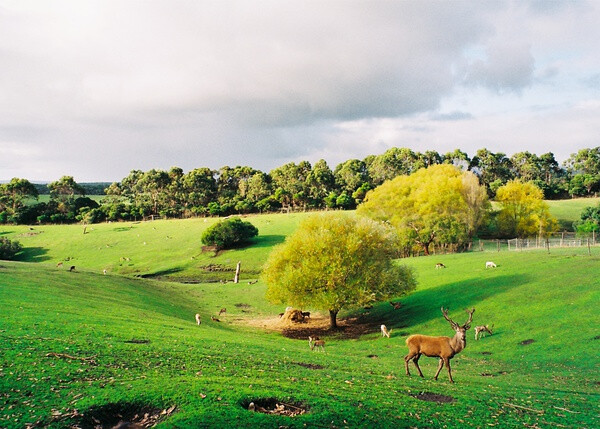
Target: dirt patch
(433, 397)
(487, 374)
(310, 365)
(123, 415)
(137, 341)
(211, 268)
(274, 406)
(372, 356)
(597, 337)
(486, 353)
(526, 342)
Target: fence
(556, 240)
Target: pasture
(81, 347)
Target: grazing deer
(316, 342)
(396, 305)
(59, 265)
(443, 347)
(223, 310)
(385, 332)
(198, 321)
(490, 264)
(214, 319)
(481, 330)
(440, 265)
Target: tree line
(243, 189)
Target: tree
(493, 169)
(590, 220)
(523, 212)
(350, 175)
(14, 193)
(335, 261)
(229, 233)
(395, 162)
(439, 204)
(319, 183)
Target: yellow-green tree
(439, 204)
(336, 261)
(523, 212)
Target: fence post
(480, 245)
(548, 244)
(562, 238)
(594, 238)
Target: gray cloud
(97, 88)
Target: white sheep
(490, 264)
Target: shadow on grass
(268, 240)
(123, 228)
(424, 305)
(32, 254)
(160, 273)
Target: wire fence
(556, 240)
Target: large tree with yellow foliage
(336, 261)
(523, 212)
(436, 205)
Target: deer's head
(460, 329)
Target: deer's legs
(449, 370)
(407, 358)
(440, 366)
(416, 362)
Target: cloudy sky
(95, 89)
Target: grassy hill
(110, 344)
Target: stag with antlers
(443, 347)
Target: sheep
(72, 268)
(198, 321)
(104, 271)
(385, 332)
(490, 264)
(440, 265)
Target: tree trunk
(333, 319)
(426, 248)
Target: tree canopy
(336, 261)
(439, 204)
(229, 233)
(523, 212)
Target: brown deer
(316, 342)
(443, 347)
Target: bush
(229, 233)
(8, 249)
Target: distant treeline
(301, 186)
(92, 188)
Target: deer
(481, 330)
(223, 310)
(198, 320)
(316, 342)
(443, 347)
(385, 332)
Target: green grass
(568, 211)
(209, 371)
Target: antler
(468, 322)
(445, 314)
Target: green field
(568, 211)
(114, 344)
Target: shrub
(229, 233)
(8, 249)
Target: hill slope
(104, 345)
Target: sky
(95, 89)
